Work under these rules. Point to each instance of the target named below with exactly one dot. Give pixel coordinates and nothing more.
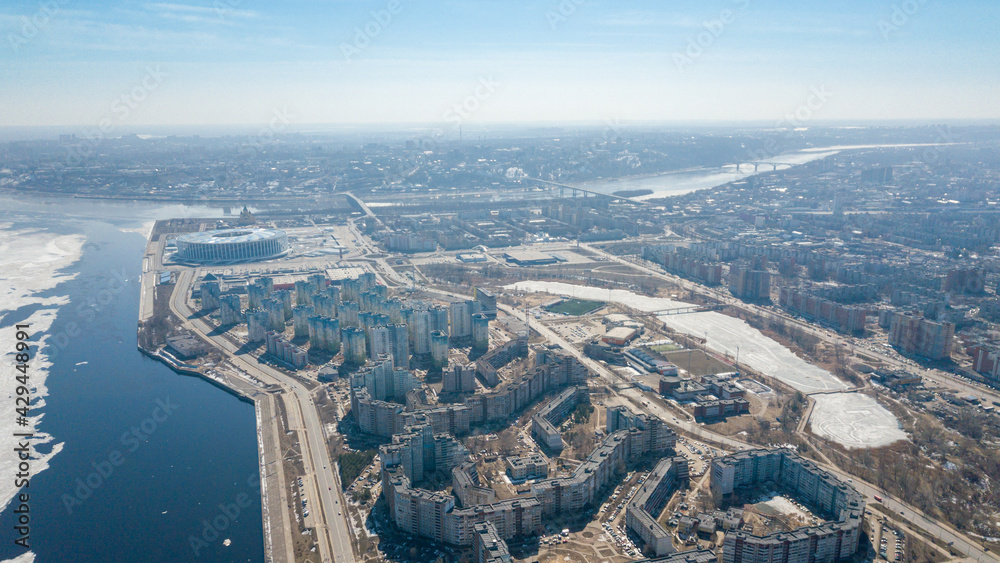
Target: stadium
(231, 245)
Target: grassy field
(663, 348)
(575, 307)
(352, 464)
(697, 362)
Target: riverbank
(271, 483)
(184, 369)
(687, 180)
(73, 276)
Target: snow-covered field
(724, 334)
(854, 420)
(781, 505)
(29, 262)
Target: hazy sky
(76, 62)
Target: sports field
(575, 307)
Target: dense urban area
(522, 345)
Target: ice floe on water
(145, 229)
(854, 420)
(724, 334)
(31, 263)
(26, 557)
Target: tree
(508, 441)
(582, 412)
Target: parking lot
(698, 454)
(890, 543)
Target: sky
(96, 63)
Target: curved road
(941, 530)
(938, 529)
(321, 481)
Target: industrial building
(529, 258)
(620, 335)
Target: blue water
(158, 491)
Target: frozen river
(724, 334)
(854, 420)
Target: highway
(320, 481)
(339, 536)
(591, 192)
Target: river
(133, 459)
(686, 181)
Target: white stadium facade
(231, 245)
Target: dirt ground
(759, 410)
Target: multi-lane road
(320, 481)
(961, 543)
(937, 376)
(333, 531)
